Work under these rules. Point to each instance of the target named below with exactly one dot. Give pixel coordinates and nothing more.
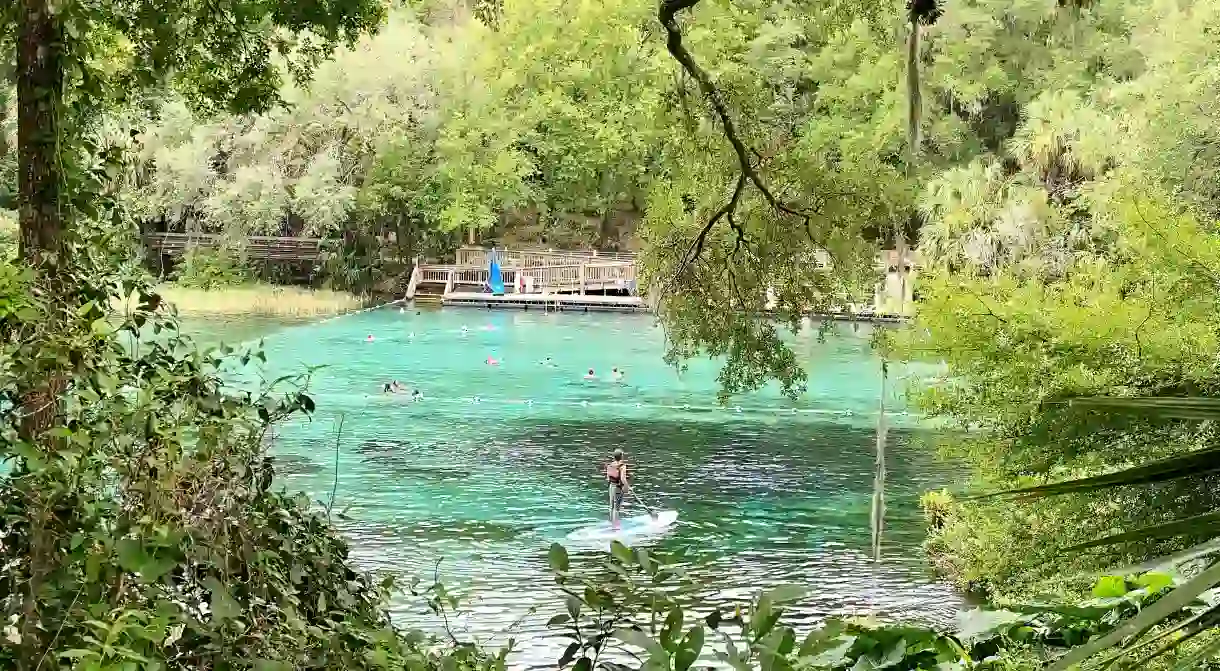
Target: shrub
(203, 268)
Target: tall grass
(260, 299)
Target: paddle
(642, 504)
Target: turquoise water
(774, 492)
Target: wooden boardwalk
(588, 280)
(542, 273)
(260, 247)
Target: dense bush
(140, 524)
(203, 268)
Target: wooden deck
(546, 302)
(256, 246)
(526, 273)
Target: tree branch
(666, 14)
(696, 247)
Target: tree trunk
(877, 515)
(914, 139)
(914, 97)
(40, 78)
(6, 77)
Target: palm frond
(1141, 622)
(1198, 524)
(1208, 652)
(1205, 549)
(1177, 635)
(1171, 468)
(1177, 407)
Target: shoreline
(260, 300)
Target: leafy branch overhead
(747, 158)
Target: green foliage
(8, 235)
(203, 268)
(140, 524)
(936, 506)
(633, 601)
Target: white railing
(566, 277)
(609, 272)
(534, 258)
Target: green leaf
(821, 638)
(569, 654)
(583, 664)
(1150, 616)
(558, 558)
(764, 617)
(689, 649)
(639, 639)
(1109, 587)
(786, 593)
(646, 563)
(775, 646)
(222, 604)
(977, 624)
(130, 554)
(562, 618)
(833, 656)
(621, 552)
(599, 599)
(573, 605)
(672, 628)
(1154, 581)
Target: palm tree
(1132, 635)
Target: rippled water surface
(770, 492)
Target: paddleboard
(639, 525)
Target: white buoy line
(634, 405)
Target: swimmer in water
(387, 388)
(590, 375)
(616, 375)
(492, 361)
(416, 395)
(465, 330)
(411, 335)
(370, 338)
(548, 363)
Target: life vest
(614, 472)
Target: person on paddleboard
(616, 475)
